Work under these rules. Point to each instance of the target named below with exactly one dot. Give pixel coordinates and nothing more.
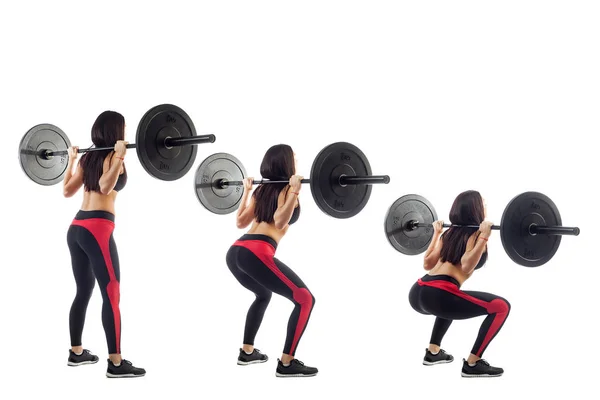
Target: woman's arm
(245, 213)
(111, 171)
(432, 255)
(471, 257)
(110, 174)
(285, 208)
(72, 182)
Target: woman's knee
(304, 297)
(499, 306)
(264, 297)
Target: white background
(443, 96)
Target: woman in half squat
(91, 244)
(251, 259)
(451, 259)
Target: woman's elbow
(280, 224)
(105, 189)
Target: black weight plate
(522, 211)
(212, 169)
(338, 159)
(41, 137)
(158, 124)
(410, 207)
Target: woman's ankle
(472, 359)
(115, 358)
(286, 358)
(434, 348)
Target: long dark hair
(467, 209)
(108, 128)
(277, 164)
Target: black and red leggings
(252, 261)
(94, 257)
(440, 295)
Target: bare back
(269, 229)
(94, 200)
(455, 271)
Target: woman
(451, 259)
(91, 244)
(251, 259)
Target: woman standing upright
(91, 244)
(251, 259)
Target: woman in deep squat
(91, 244)
(251, 259)
(451, 259)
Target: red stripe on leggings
(266, 252)
(494, 306)
(101, 229)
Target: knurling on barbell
(340, 181)
(165, 145)
(530, 228)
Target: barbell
(165, 145)
(340, 181)
(530, 227)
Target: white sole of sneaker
(109, 375)
(72, 364)
(437, 362)
(294, 375)
(251, 362)
(479, 376)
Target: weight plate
(331, 163)
(159, 123)
(408, 208)
(210, 171)
(41, 137)
(522, 211)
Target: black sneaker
(295, 369)
(82, 359)
(254, 358)
(481, 369)
(124, 370)
(440, 358)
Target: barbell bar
(530, 229)
(165, 144)
(533, 228)
(340, 181)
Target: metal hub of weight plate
(213, 169)
(159, 123)
(522, 211)
(407, 208)
(44, 171)
(331, 163)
